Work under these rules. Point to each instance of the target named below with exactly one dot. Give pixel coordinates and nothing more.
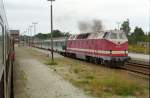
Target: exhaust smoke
(90, 26)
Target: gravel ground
(39, 81)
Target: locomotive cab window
(122, 36)
(113, 35)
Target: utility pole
(51, 15)
(29, 35)
(24, 38)
(34, 24)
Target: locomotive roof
(92, 35)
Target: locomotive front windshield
(117, 35)
(122, 36)
(113, 36)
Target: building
(15, 35)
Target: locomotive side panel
(110, 46)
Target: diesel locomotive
(107, 47)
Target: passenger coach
(6, 57)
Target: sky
(68, 13)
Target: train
(6, 56)
(103, 47)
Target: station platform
(34, 79)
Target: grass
(95, 80)
(49, 62)
(138, 49)
(20, 73)
(20, 79)
(23, 75)
(99, 83)
(111, 84)
(118, 86)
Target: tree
(42, 36)
(126, 27)
(137, 35)
(57, 33)
(138, 31)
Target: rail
(138, 67)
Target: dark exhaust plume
(97, 25)
(84, 26)
(90, 26)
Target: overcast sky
(67, 13)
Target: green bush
(115, 85)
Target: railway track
(139, 67)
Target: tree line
(133, 37)
(137, 35)
(55, 34)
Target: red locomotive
(109, 47)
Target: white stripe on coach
(97, 51)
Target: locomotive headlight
(126, 52)
(110, 51)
